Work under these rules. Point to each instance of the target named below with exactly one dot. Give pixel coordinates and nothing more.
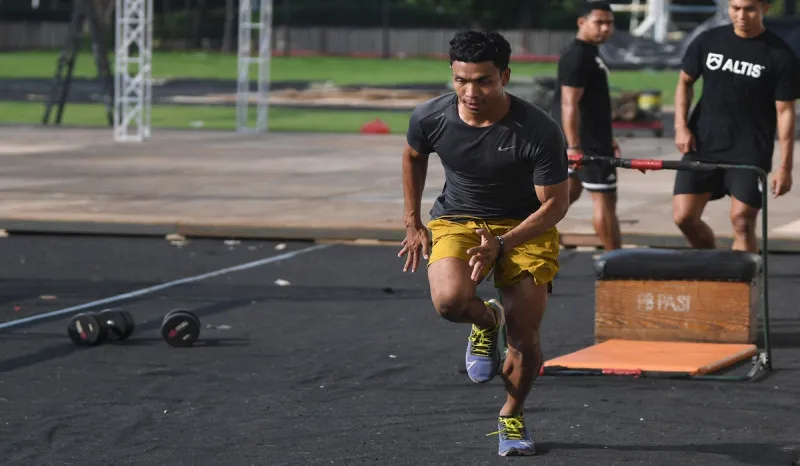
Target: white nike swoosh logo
(505, 148)
(471, 363)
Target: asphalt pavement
(330, 354)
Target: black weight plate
(118, 325)
(168, 314)
(180, 328)
(130, 322)
(85, 329)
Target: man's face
(478, 85)
(597, 27)
(747, 15)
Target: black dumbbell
(180, 328)
(93, 328)
(119, 323)
(85, 329)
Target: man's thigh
(598, 177)
(705, 182)
(449, 261)
(537, 259)
(745, 186)
(450, 238)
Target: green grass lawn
(339, 70)
(342, 71)
(211, 117)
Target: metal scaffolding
(84, 14)
(243, 95)
(132, 70)
(656, 15)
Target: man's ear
(505, 76)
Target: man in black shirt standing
(750, 83)
(506, 189)
(582, 105)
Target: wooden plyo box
(677, 295)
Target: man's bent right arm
(415, 170)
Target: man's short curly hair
(480, 46)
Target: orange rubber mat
(631, 356)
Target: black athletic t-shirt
(490, 172)
(735, 119)
(580, 66)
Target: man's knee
(686, 219)
(452, 304)
(525, 348)
(743, 224)
(605, 202)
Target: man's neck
(584, 40)
(750, 34)
(489, 117)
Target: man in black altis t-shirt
(505, 190)
(750, 83)
(582, 104)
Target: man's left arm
(786, 91)
(782, 182)
(555, 203)
(552, 189)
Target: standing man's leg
(575, 187)
(687, 212)
(601, 181)
(743, 221)
(604, 219)
(692, 191)
(746, 202)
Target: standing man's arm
(571, 117)
(691, 70)
(572, 79)
(684, 94)
(787, 90)
(782, 182)
(415, 170)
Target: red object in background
(376, 126)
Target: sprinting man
(750, 83)
(506, 189)
(582, 105)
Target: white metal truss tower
(656, 15)
(132, 69)
(264, 54)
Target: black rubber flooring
(335, 356)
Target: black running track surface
(347, 364)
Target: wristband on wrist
(502, 245)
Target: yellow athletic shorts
(538, 257)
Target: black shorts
(744, 185)
(597, 177)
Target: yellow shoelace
(511, 429)
(481, 340)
